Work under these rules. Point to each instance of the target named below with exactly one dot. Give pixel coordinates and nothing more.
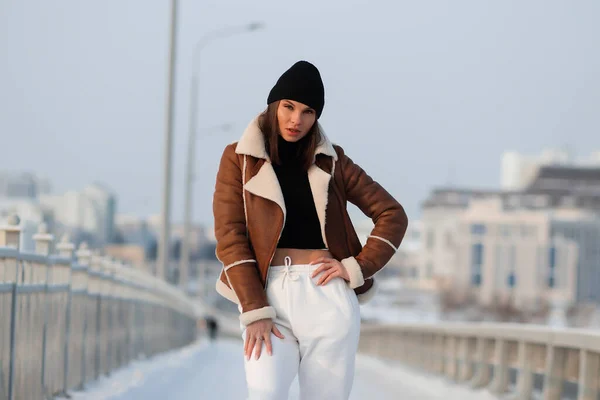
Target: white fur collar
(252, 143)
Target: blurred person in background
(212, 327)
(292, 260)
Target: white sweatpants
(321, 325)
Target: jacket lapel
(319, 186)
(265, 184)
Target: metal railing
(558, 362)
(66, 320)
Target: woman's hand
(330, 268)
(256, 333)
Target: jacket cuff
(255, 315)
(354, 271)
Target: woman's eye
(289, 107)
(309, 111)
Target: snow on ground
(216, 371)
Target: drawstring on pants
(287, 272)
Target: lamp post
(191, 153)
(165, 222)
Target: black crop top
(302, 228)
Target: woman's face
(295, 119)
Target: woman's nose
(296, 117)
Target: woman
(292, 260)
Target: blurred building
(518, 170)
(22, 185)
(137, 238)
(408, 257)
(135, 255)
(498, 242)
(89, 214)
(517, 254)
(134, 242)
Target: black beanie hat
(302, 83)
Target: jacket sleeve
(387, 214)
(233, 248)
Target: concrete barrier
(483, 355)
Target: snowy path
(205, 371)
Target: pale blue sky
(417, 92)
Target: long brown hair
(269, 125)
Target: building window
(512, 280)
(552, 267)
(478, 229)
(476, 264)
(552, 258)
(429, 270)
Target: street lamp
(165, 218)
(191, 154)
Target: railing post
(499, 383)
(43, 241)
(10, 236)
(107, 297)
(438, 349)
(482, 374)
(589, 375)
(65, 249)
(429, 345)
(97, 290)
(554, 374)
(451, 364)
(465, 367)
(524, 389)
(10, 233)
(84, 255)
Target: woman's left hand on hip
(330, 268)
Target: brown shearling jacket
(249, 215)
